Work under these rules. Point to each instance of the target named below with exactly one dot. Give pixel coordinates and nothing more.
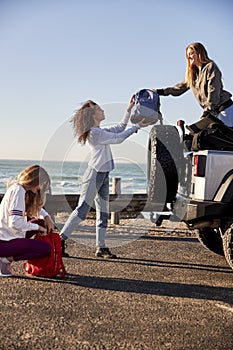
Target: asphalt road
(163, 292)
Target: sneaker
(63, 247)
(5, 269)
(104, 253)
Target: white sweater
(13, 221)
(100, 139)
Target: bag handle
(63, 270)
(142, 92)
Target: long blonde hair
(83, 120)
(191, 71)
(30, 177)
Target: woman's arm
(213, 87)
(121, 126)
(18, 224)
(123, 123)
(16, 210)
(104, 136)
(175, 90)
(47, 219)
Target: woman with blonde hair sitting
(24, 199)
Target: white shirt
(13, 221)
(100, 139)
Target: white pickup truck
(197, 187)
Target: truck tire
(228, 246)
(211, 239)
(164, 154)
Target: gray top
(207, 88)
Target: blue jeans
(226, 116)
(95, 188)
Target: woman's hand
(42, 231)
(131, 103)
(49, 224)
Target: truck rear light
(199, 164)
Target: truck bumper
(192, 211)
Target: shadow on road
(161, 263)
(168, 289)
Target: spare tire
(228, 246)
(165, 155)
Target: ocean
(66, 176)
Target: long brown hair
(30, 177)
(83, 120)
(191, 71)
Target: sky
(56, 54)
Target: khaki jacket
(207, 88)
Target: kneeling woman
(24, 199)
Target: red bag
(51, 265)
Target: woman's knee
(47, 249)
(43, 249)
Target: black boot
(63, 247)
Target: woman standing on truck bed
(204, 78)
